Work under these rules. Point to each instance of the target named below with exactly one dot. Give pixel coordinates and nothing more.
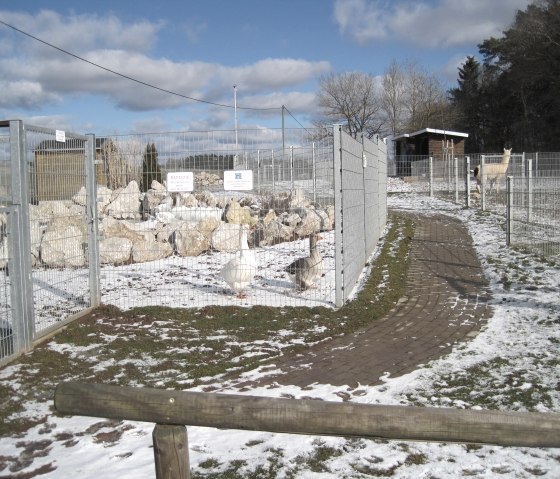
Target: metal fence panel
(363, 205)
(45, 248)
(163, 247)
(58, 224)
(534, 212)
(353, 228)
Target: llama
(493, 172)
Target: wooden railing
(173, 410)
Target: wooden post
(171, 452)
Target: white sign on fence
(180, 181)
(238, 180)
(60, 136)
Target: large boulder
(235, 213)
(206, 198)
(126, 204)
(110, 227)
(189, 241)
(310, 222)
(186, 199)
(207, 226)
(271, 233)
(149, 249)
(226, 237)
(63, 247)
(115, 250)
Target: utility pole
(235, 120)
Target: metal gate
(48, 272)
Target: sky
(274, 52)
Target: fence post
(467, 182)
(21, 275)
(456, 172)
(291, 168)
(314, 172)
(509, 210)
(529, 190)
(259, 172)
(171, 452)
(482, 184)
(92, 225)
(273, 174)
(338, 223)
(431, 176)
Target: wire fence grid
(531, 207)
(178, 219)
(182, 248)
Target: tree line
(511, 96)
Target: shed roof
(431, 130)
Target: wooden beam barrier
(312, 417)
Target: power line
(129, 77)
(290, 113)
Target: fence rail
(172, 410)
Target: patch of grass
(316, 461)
(478, 385)
(416, 459)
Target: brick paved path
(446, 302)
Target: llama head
(507, 154)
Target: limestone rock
(62, 248)
(126, 204)
(110, 227)
(235, 213)
(149, 249)
(115, 250)
(189, 241)
(226, 237)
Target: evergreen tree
(150, 167)
(467, 99)
(526, 87)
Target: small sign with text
(238, 180)
(180, 181)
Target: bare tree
(423, 99)
(353, 98)
(392, 100)
(122, 160)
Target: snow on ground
(516, 355)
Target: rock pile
(136, 227)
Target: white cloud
(274, 73)
(50, 74)
(444, 23)
(79, 33)
(24, 94)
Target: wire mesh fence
(533, 212)
(217, 240)
(531, 207)
(58, 225)
(179, 220)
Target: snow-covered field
(517, 363)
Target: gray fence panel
(353, 230)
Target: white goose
(306, 271)
(240, 271)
